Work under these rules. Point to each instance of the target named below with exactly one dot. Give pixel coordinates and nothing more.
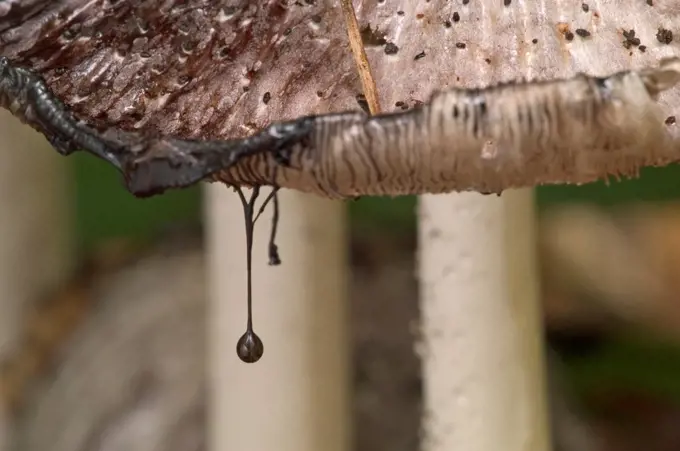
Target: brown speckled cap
(143, 77)
(204, 68)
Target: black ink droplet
(249, 347)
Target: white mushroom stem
(483, 362)
(296, 398)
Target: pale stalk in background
(35, 251)
(296, 398)
(482, 351)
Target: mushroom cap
(218, 69)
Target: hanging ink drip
(274, 258)
(273, 249)
(249, 347)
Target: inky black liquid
(249, 347)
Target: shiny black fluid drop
(249, 347)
